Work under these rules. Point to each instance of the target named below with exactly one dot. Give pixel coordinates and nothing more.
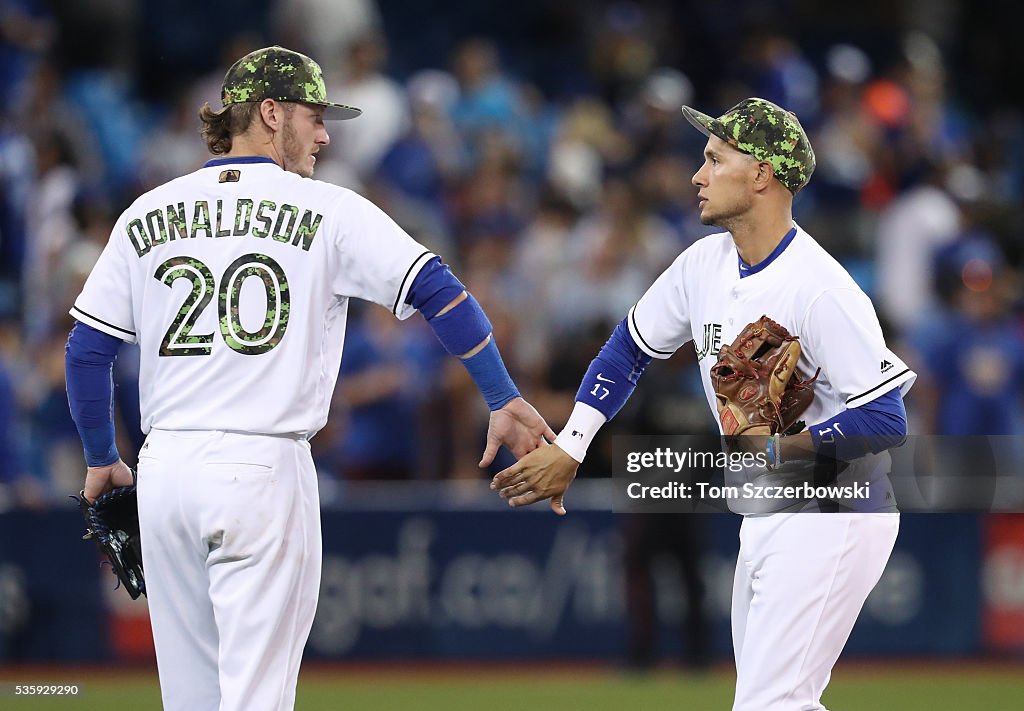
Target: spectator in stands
(362, 144)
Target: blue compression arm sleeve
(872, 427)
(614, 373)
(461, 329)
(88, 367)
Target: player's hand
(519, 427)
(100, 480)
(544, 473)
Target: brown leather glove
(755, 380)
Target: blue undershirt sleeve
(88, 367)
(873, 427)
(433, 288)
(614, 373)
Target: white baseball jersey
(235, 280)
(702, 298)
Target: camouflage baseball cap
(283, 75)
(765, 131)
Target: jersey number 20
(179, 339)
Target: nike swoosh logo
(600, 376)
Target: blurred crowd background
(539, 148)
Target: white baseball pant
(231, 546)
(801, 581)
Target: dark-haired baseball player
(802, 576)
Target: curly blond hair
(220, 126)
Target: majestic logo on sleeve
(712, 341)
(886, 366)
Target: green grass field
(914, 687)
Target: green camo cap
(765, 131)
(283, 75)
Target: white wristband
(580, 430)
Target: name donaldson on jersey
(263, 219)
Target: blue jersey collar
(216, 162)
(746, 270)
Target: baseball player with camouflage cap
(235, 282)
(765, 132)
(283, 75)
(805, 565)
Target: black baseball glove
(112, 520)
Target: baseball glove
(112, 520)
(755, 380)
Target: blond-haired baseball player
(235, 281)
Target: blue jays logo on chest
(712, 341)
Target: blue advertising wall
(51, 597)
(509, 585)
(490, 584)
